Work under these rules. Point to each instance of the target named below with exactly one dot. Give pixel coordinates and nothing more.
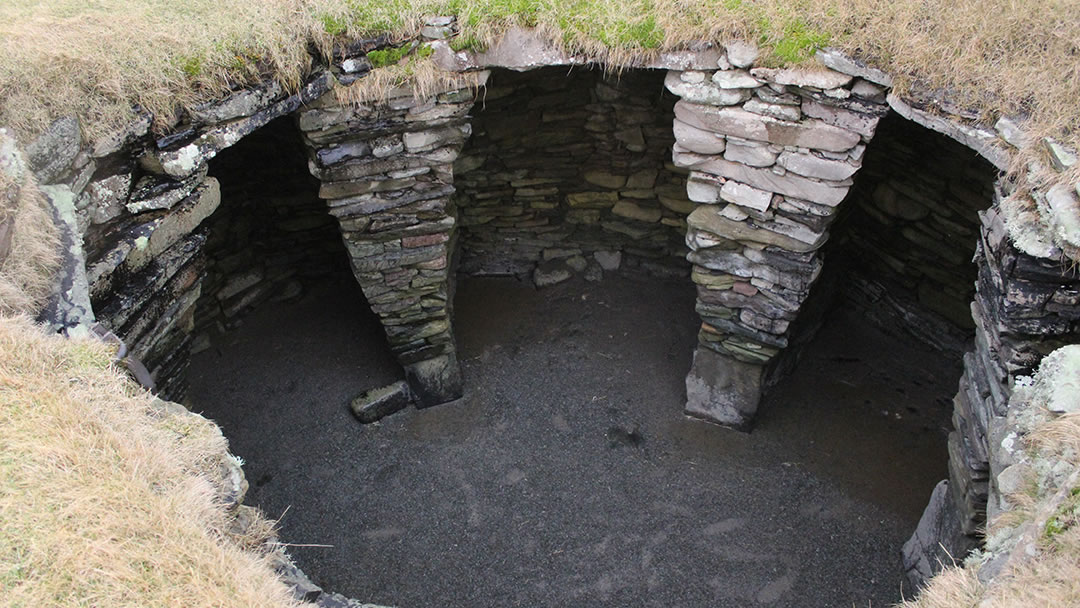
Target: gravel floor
(568, 476)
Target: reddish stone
(744, 288)
(424, 240)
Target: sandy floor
(568, 475)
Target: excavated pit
(568, 474)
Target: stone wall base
(723, 390)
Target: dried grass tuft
(28, 247)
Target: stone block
(604, 179)
(836, 60)
(735, 79)
(803, 77)
(747, 125)
(723, 390)
(745, 196)
(774, 110)
(754, 154)
(637, 212)
(790, 184)
(551, 273)
(53, 152)
(809, 165)
(608, 260)
(379, 403)
(697, 140)
(436, 380)
(592, 200)
(705, 92)
(741, 54)
(863, 124)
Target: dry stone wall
(572, 171)
(771, 154)
(386, 170)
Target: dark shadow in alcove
(278, 270)
(898, 266)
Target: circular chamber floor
(568, 475)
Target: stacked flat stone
(771, 154)
(563, 166)
(387, 176)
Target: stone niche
(569, 171)
(908, 233)
(271, 233)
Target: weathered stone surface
(159, 192)
(742, 54)
(812, 166)
(551, 273)
(178, 224)
(104, 199)
(705, 92)
(53, 152)
(745, 196)
(238, 105)
(801, 77)
(863, 124)
(436, 380)
(747, 125)
(522, 49)
(709, 219)
(608, 260)
(723, 390)
(697, 140)
(186, 159)
(1011, 131)
(837, 60)
(702, 191)
(754, 154)
(773, 110)
(379, 403)
(605, 179)
(592, 200)
(764, 179)
(734, 79)
(1061, 157)
(703, 59)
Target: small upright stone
(379, 403)
(741, 54)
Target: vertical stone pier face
(771, 155)
(386, 173)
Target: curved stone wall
(772, 155)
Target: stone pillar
(386, 173)
(771, 155)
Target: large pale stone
(802, 77)
(747, 125)
(813, 166)
(723, 390)
(705, 92)
(1062, 157)
(745, 196)
(764, 179)
(773, 110)
(741, 54)
(184, 218)
(703, 192)
(697, 140)
(735, 79)
(863, 124)
(755, 154)
(52, 153)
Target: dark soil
(568, 475)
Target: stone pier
(386, 170)
(771, 154)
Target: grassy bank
(98, 59)
(106, 500)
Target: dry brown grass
(96, 59)
(105, 500)
(31, 257)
